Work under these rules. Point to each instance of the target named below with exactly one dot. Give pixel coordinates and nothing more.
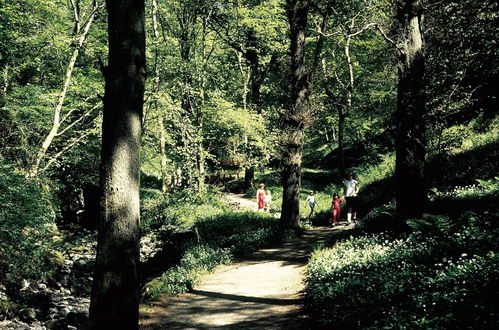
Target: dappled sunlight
(262, 290)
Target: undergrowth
(443, 274)
(224, 237)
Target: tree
(252, 29)
(410, 141)
(115, 291)
(297, 114)
(81, 32)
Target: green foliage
(234, 134)
(178, 210)
(26, 229)
(242, 232)
(439, 276)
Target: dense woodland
(127, 122)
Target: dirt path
(240, 202)
(261, 292)
(244, 204)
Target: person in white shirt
(351, 191)
(267, 199)
(312, 203)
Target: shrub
(242, 232)
(442, 275)
(178, 210)
(27, 225)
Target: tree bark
(115, 291)
(410, 141)
(297, 11)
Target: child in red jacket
(336, 208)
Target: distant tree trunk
(115, 291)
(5, 85)
(343, 112)
(162, 130)
(341, 140)
(245, 78)
(297, 11)
(255, 85)
(410, 141)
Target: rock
(24, 285)
(77, 319)
(83, 265)
(56, 325)
(51, 313)
(27, 314)
(64, 312)
(42, 286)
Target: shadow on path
(263, 291)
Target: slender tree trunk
(294, 121)
(200, 166)
(342, 113)
(115, 291)
(410, 141)
(56, 122)
(245, 78)
(5, 85)
(254, 100)
(341, 140)
(164, 158)
(162, 131)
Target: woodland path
(263, 291)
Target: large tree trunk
(295, 118)
(410, 141)
(115, 291)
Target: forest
(127, 128)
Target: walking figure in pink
(336, 208)
(260, 193)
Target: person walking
(336, 208)
(267, 199)
(312, 203)
(260, 193)
(351, 190)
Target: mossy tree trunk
(294, 121)
(115, 291)
(410, 140)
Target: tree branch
(393, 43)
(78, 120)
(66, 148)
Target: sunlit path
(263, 291)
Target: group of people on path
(263, 198)
(351, 189)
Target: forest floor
(261, 291)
